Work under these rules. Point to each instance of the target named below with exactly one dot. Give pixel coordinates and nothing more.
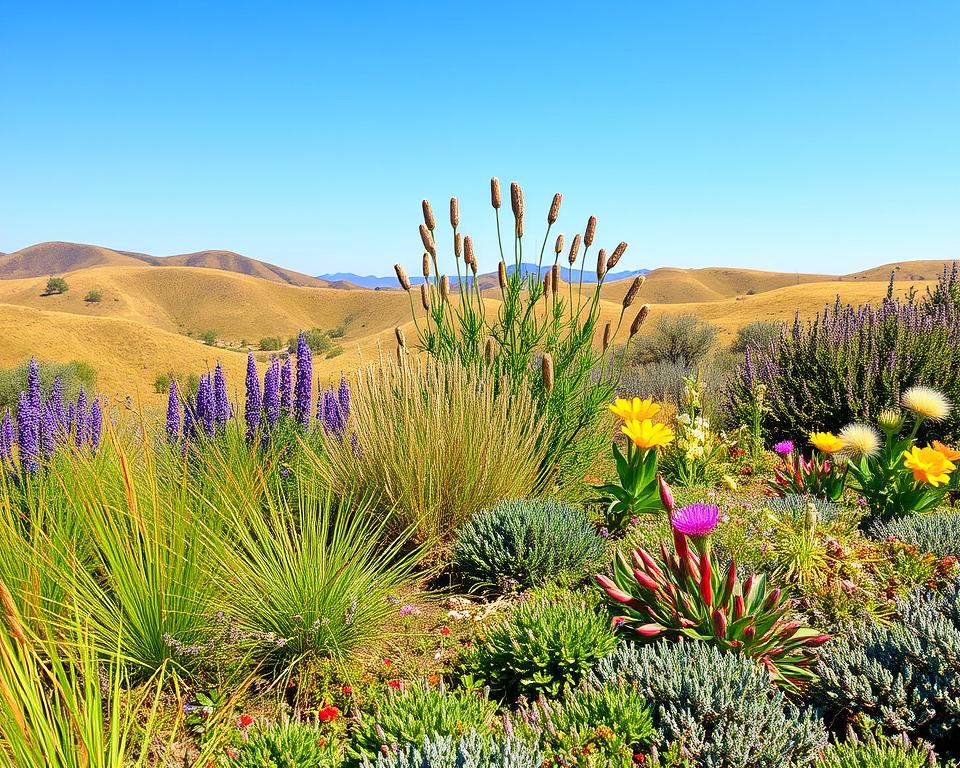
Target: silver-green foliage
(720, 707)
(795, 506)
(471, 750)
(904, 675)
(938, 532)
(288, 744)
(545, 646)
(525, 542)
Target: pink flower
(695, 519)
(394, 684)
(444, 630)
(347, 690)
(245, 721)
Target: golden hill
(57, 258)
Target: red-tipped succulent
(682, 593)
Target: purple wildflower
(784, 448)
(33, 385)
(254, 400)
(56, 402)
(188, 422)
(409, 610)
(271, 393)
(96, 423)
(6, 437)
(27, 437)
(286, 386)
(221, 403)
(695, 519)
(205, 406)
(80, 418)
(48, 431)
(173, 412)
(355, 445)
(303, 386)
(343, 397)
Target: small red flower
(245, 721)
(231, 753)
(444, 630)
(328, 714)
(394, 683)
(387, 662)
(347, 690)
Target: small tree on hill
(56, 285)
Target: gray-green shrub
(877, 753)
(904, 675)
(683, 340)
(524, 543)
(471, 750)
(285, 744)
(938, 532)
(720, 707)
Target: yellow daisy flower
(647, 434)
(635, 409)
(928, 465)
(826, 442)
(947, 451)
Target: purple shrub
(221, 403)
(271, 393)
(173, 412)
(254, 400)
(303, 386)
(28, 438)
(286, 386)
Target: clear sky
(800, 135)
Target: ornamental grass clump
(716, 709)
(684, 594)
(879, 752)
(535, 317)
(524, 543)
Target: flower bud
(495, 192)
(402, 276)
(666, 495)
(428, 215)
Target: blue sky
(801, 136)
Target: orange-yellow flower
(947, 451)
(928, 465)
(635, 409)
(826, 442)
(647, 434)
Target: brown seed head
(401, 339)
(601, 264)
(428, 216)
(547, 368)
(638, 320)
(632, 291)
(473, 265)
(607, 330)
(546, 283)
(555, 277)
(425, 296)
(516, 202)
(558, 247)
(574, 249)
(402, 276)
(468, 255)
(591, 231)
(454, 213)
(457, 245)
(502, 275)
(445, 288)
(426, 265)
(495, 192)
(615, 256)
(489, 351)
(427, 239)
(554, 209)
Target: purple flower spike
(6, 437)
(696, 519)
(80, 418)
(33, 385)
(784, 448)
(254, 400)
(343, 396)
(286, 386)
(303, 386)
(173, 412)
(27, 434)
(188, 423)
(205, 406)
(271, 393)
(96, 423)
(221, 403)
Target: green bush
(876, 753)
(450, 751)
(55, 285)
(544, 646)
(406, 716)
(937, 532)
(681, 340)
(73, 375)
(759, 334)
(208, 337)
(284, 745)
(902, 675)
(269, 344)
(523, 543)
(591, 726)
(187, 383)
(318, 340)
(720, 707)
(93, 297)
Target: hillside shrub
(407, 715)
(682, 340)
(937, 532)
(593, 725)
(286, 744)
(208, 337)
(72, 375)
(269, 344)
(93, 297)
(434, 444)
(720, 707)
(760, 334)
(55, 286)
(849, 363)
(319, 341)
(541, 341)
(546, 645)
(523, 543)
(454, 751)
(187, 383)
(902, 675)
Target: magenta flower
(695, 519)
(784, 448)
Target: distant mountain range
(485, 279)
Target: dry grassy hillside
(926, 269)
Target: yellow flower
(926, 402)
(826, 442)
(949, 453)
(929, 465)
(647, 434)
(635, 409)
